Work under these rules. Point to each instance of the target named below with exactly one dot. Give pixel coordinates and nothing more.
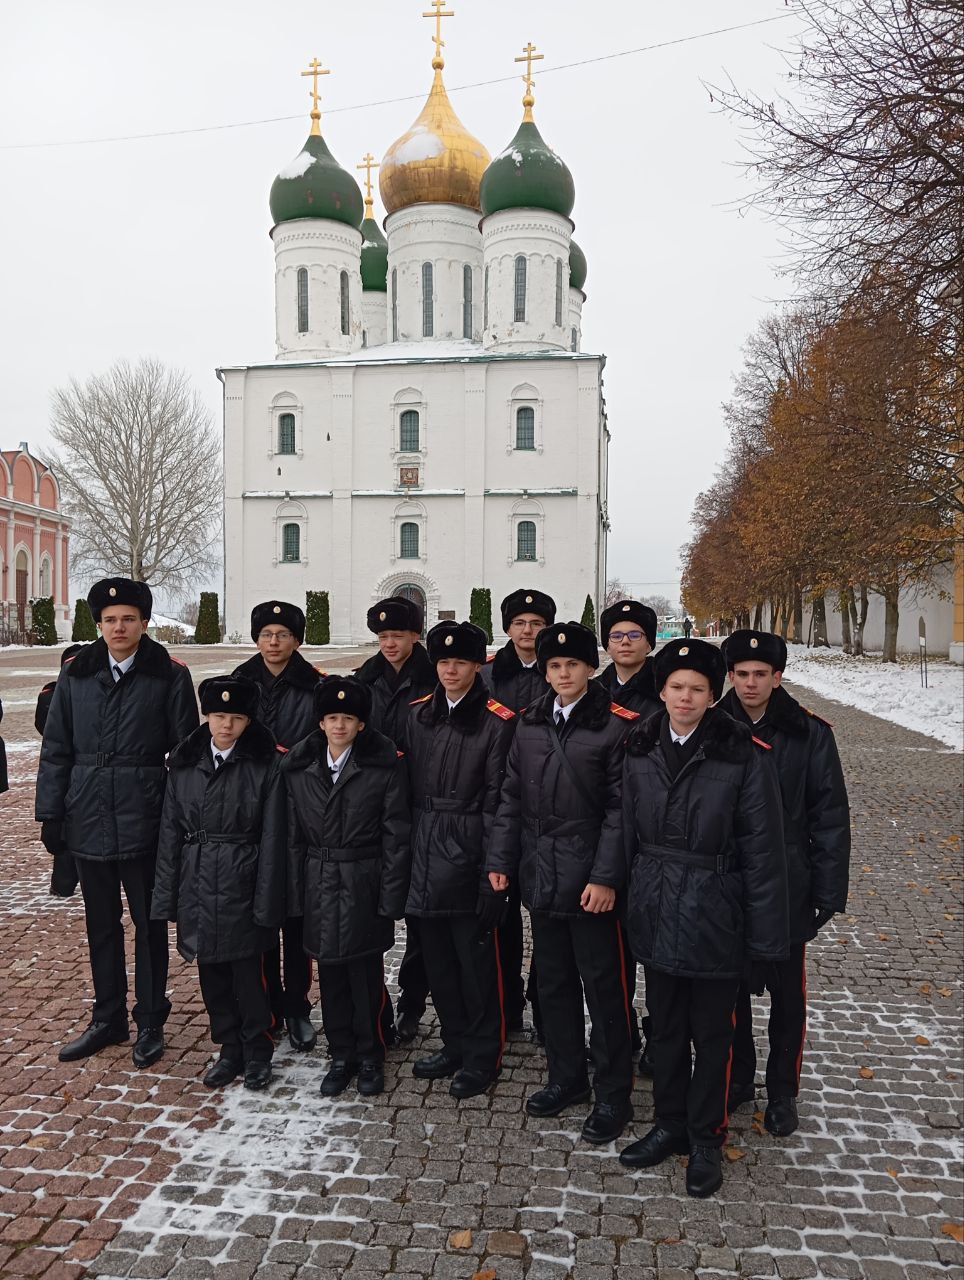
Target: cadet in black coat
(350, 858)
(558, 832)
(4, 781)
(397, 677)
(816, 832)
(287, 684)
(120, 705)
(63, 875)
(456, 743)
(221, 870)
(707, 890)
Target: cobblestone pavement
(146, 1174)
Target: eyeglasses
(275, 635)
(616, 636)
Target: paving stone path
(112, 1172)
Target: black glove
(821, 915)
(489, 909)
(52, 837)
(63, 876)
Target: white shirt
(116, 664)
(452, 705)
(223, 752)
(336, 766)
(565, 711)
(685, 737)
(527, 666)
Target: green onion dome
(314, 185)
(528, 175)
(374, 255)
(578, 267)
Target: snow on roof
(159, 620)
(420, 145)
(298, 166)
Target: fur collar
(723, 738)
(256, 743)
(591, 712)
(417, 669)
(784, 713)
(641, 684)
(506, 664)
(298, 671)
(152, 659)
(466, 715)
(370, 749)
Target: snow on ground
(891, 690)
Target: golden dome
(437, 161)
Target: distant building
(34, 539)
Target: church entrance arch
(417, 587)
(410, 591)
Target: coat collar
(256, 743)
(506, 664)
(640, 685)
(723, 738)
(784, 713)
(152, 659)
(418, 669)
(370, 749)
(466, 715)
(593, 711)
(298, 671)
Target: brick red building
(34, 538)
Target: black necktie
(560, 723)
(218, 760)
(117, 672)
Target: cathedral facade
(430, 422)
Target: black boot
(407, 1027)
(780, 1117)
(658, 1144)
(606, 1121)
(96, 1037)
(301, 1034)
(371, 1077)
(223, 1072)
(436, 1066)
(148, 1046)
(338, 1077)
(554, 1098)
(740, 1091)
(704, 1173)
(257, 1074)
(470, 1084)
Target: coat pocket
(644, 907)
(716, 932)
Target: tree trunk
(797, 614)
(774, 615)
(859, 620)
(820, 640)
(758, 616)
(891, 594)
(784, 617)
(846, 595)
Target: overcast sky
(160, 246)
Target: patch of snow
(891, 690)
(440, 349)
(421, 145)
(299, 166)
(160, 620)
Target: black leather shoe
(656, 1147)
(148, 1046)
(407, 1027)
(554, 1098)
(96, 1037)
(371, 1078)
(741, 1091)
(780, 1117)
(645, 1064)
(606, 1121)
(223, 1072)
(338, 1077)
(301, 1035)
(704, 1173)
(436, 1066)
(257, 1075)
(469, 1084)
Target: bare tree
(615, 591)
(141, 471)
(662, 606)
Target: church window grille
(428, 306)
(520, 289)
(302, 299)
(485, 300)
(408, 431)
(525, 540)
(394, 304)
(559, 291)
(345, 310)
(291, 543)
(408, 541)
(525, 428)
(286, 433)
(466, 301)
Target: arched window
(408, 541)
(345, 313)
(302, 299)
(394, 304)
(466, 301)
(485, 300)
(520, 288)
(286, 433)
(525, 429)
(525, 540)
(559, 291)
(428, 306)
(408, 431)
(291, 543)
(46, 577)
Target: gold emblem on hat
(684, 650)
(341, 695)
(754, 642)
(381, 616)
(225, 696)
(450, 639)
(561, 637)
(276, 609)
(626, 608)
(528, 599)
(112, 591)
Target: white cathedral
(430, 422)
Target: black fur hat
(567, 640)
(395, 613)
(456, 640)
(755, 646)
(111, 591)
(342, 694)
(690, 655)
(277, 613)
(235, 694)
(629, 611)
(528, 600)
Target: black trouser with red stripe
(236, 997)
(510, 953)
(787, 1028)
(353, 995)
(691, 1042)
(289, 998)
(576, 954)
(465, 979)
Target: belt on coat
(443, 804)
(101, 759)
(356, 854)
(221, 837)
(718, 862)
(557, 826)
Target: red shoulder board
(498, 709)
(279, 747)
(828, 723)
(490, 658)
(400, 754)
(760, 743)
(323, 674)
(69, 661)
(418, 701)
(626, 714)
(180, 661)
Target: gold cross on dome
(438, 12)
(529, 56)
(368, 163)
(315, 70)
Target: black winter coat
(221, 854)
(816, 813)
(392, 695)
(707, 872)
(44, 699)
(637, 694)
(553, 835)
(102, 768)
(349, 852)
(510, 683)
(456, 764)
(287, 701)
(4, 781)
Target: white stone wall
(542, 238)
(325, 249)
(447, 236)
(576, 299)
(374, 318)
(938, 618)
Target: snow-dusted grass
(891, 690)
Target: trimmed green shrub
(208, 629)
(317, 618)
(588, 618)
(480, 610)
(44, 624)
(84, 626)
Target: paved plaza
(111, 1172)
